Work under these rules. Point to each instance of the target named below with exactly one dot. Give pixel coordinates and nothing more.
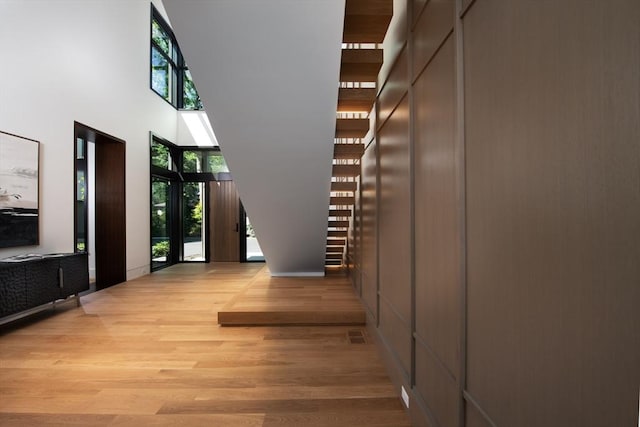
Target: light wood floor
(150, 353)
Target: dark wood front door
(224, 219)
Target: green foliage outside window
(192, 209)
(217, 163)
(160, 155)
(160, 249)
(161, 38)
(170, 76)
(191, 99)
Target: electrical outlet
(405, 397)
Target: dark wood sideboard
(31, 281)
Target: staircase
(365, 25)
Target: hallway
(149, 352)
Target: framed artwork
(19, 190)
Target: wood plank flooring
(150, 353)
(270, 300)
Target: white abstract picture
(19, 160)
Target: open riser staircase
(365, 25)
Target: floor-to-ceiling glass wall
(179, 201)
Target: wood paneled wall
(354, 238)
(369, 246)
(553, 211)
(500, 212)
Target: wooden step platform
(294, 301)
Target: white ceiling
(268, 72)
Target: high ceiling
(267, 72)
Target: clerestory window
(170, 76)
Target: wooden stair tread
(337, 233)
(360, 65)
(344, 185)
(340, 171)
(346, 170)
(352, 128)
(348, 151)
(356, 99)
(333, 262)
(366, 21)
(336, 213)
(341, 200)
(336, 242)
(338, 224)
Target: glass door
(160, 223)
(194, 221)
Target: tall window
(170, 76)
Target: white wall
(86, 61)
(268, 73)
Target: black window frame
(178, 66)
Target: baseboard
(134, 273)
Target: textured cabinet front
(34, 282)
(75, 274)
(42, 281)
(13, 289)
